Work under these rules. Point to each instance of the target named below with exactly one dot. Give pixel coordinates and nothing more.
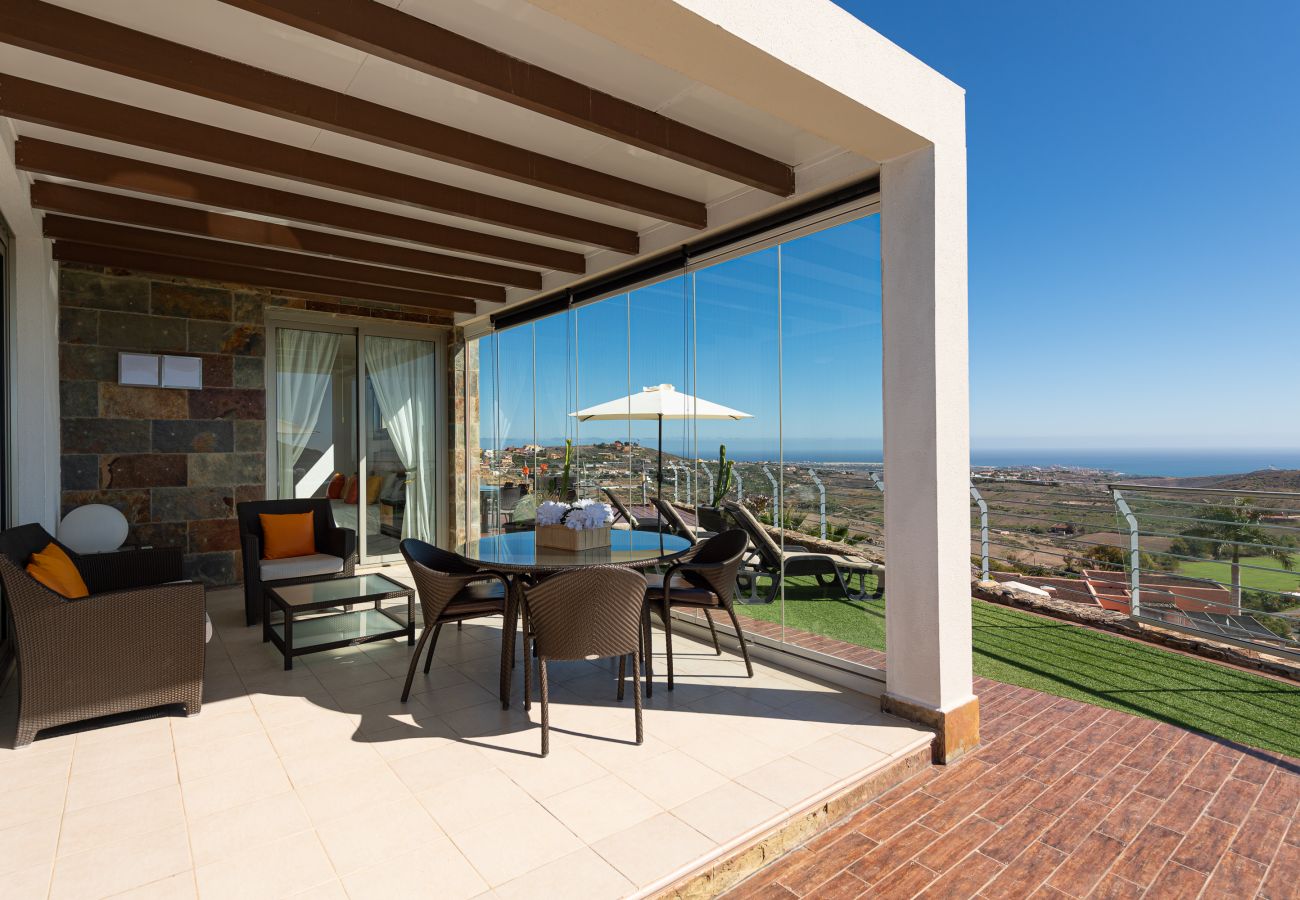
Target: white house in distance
(446, 172)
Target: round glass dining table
(517, 552)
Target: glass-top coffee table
(319, 616)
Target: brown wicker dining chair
(588, 613)
(135, 643)
(705, 581)
(452, 589)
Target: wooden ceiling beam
(108, 234)
(87, 204)
(159, 264)
(107, 170)
(399, 37)
(66, 34)
(127, 210)
(31, 101)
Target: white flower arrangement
(551, 513)
(582, 515)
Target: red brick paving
(1064, 799)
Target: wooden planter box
(558, 537)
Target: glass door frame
(362, 328)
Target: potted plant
(712, 516)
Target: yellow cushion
(290, 534)
(374, 484)
(54, 569)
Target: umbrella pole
(659, 490)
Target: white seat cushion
(301, 567)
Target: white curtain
(404, 380)
(304, 366)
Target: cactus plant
(722, 484)
(568, 463)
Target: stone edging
(725, 873)
(1119, 623)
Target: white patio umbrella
(660, 401)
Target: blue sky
(1134, 183)
(1134, 215)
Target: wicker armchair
(589, 613)
(135, 643)
(335, 557)
(452, 589)
(706, 581)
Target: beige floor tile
(617, 756)
(277, 869)
(671, 778)
(345, 794)
(376, 833)
(565, 768)
(499, 859)
(787, 781)
(18, 770)
(122, 865)
(235, 753)
(233, 831)
(459, 804)
(103, 754)
(405, 738)
(580, 874)
(104, 823)
(180, 886)
(444, 700)
(601, 808)
(727, 812)
(839, 756)
(888, 734)
(205, 728)
(673, 843)
(436, 872)
(327, 761)
(32, 882)
(322, 729)
(732, 753)
(140, 728)
(330, 890)
(205, 796)
(127, 778)
(28, 804)
(30, 842)
(427, 769)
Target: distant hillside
(1263, 480)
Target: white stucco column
(31, 354)
(927, 444)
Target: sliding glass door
(353, 417)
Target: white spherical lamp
(94, 528)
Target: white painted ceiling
(512, 26)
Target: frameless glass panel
(484, 507)
(604, 448)
(660, 322)
(517, 458)
(399, 493)
(832, 432)
(315, 420)
(553, 378)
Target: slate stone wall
(175, 462)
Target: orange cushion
(335, 490)
(291, 534)
(54, 569)
(373, 484)
(350, 495)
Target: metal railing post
(821, 489)
(778, 519)
(645, 499)
(877, 481)
(740, 486)
(711, 482)
(673, 466)
(984, 531)
(1135, 554)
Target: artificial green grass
(1072, 661)
(1276, 579)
